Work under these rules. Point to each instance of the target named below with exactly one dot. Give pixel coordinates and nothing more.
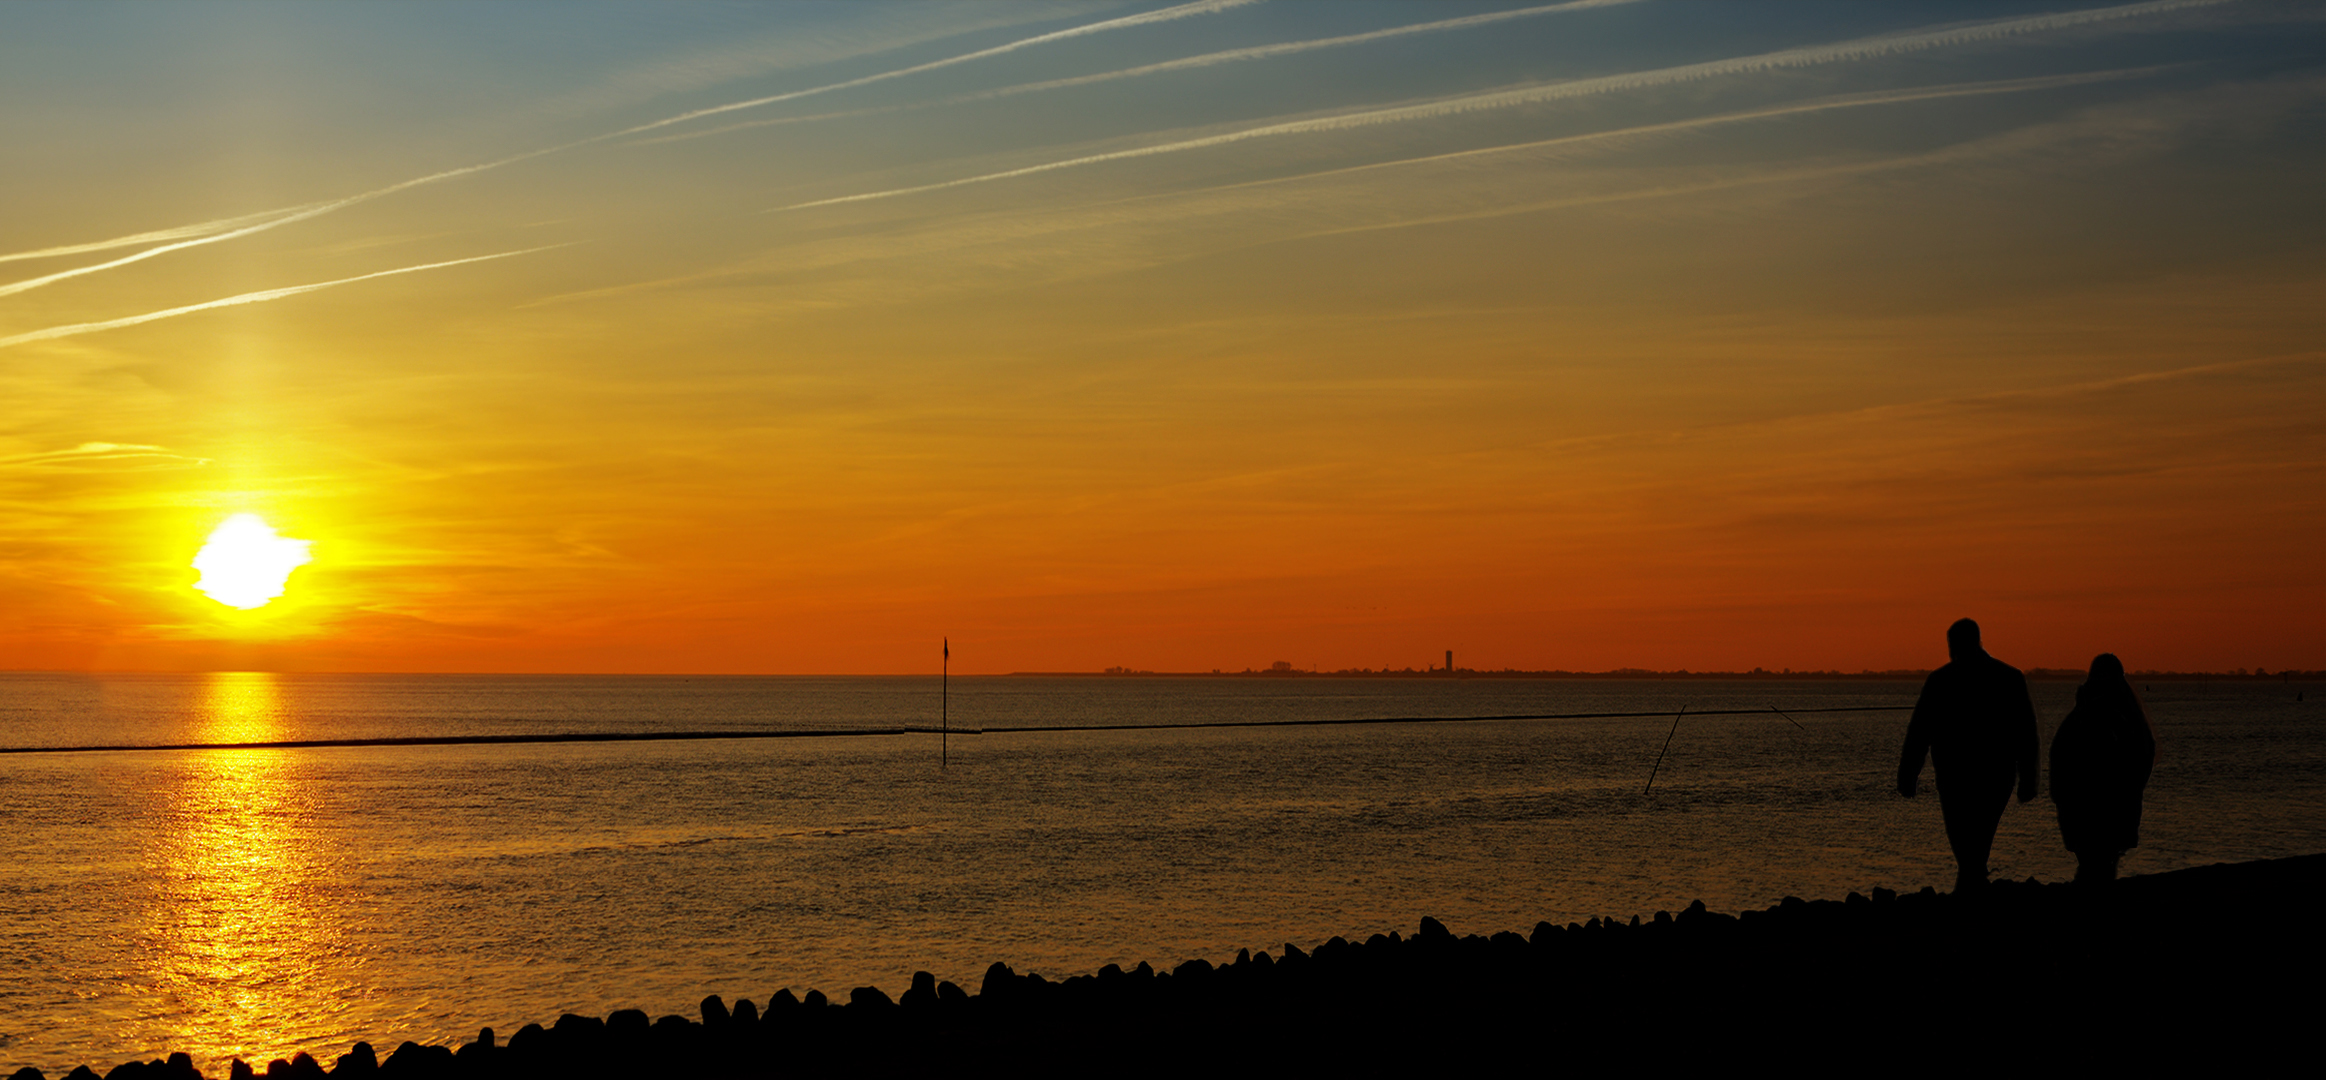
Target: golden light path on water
(242, 934)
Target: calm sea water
(260, 902)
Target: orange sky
(1574, 336)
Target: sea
(259, 902)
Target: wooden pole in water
(1667, 746)
(1788, 717)
(944, 689)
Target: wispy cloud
(107, 453)
(1205, 7)
(181, 232)
(75, 329)
(1228, 56)
(236, 228)
(1803, 56)
(311, 210)
(1846, 101)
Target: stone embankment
(2215, 966)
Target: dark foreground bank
(2215, 965)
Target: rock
(83, 1072)
(278, 1069)
(304, 1067)
(530, 1040)
(923, 994)
(999, 980)
(414, 1060)
(357, 1061)
(239, 1071)
(628, 1025)
(475, 1052)
(951, 995)
(27, 1073)
(746, 1014)
(815, 1000)
(870, 998)
(714, 1012)
(1432, 929)
(782, 1001)
(127, 1070)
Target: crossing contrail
(1803, 56)
(232, 229)
(181, 232)
(1228, 56)
(1182, 11)
(75, 329)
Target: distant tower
(1449, 661)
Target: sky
(739, 338)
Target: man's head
(1962, 640)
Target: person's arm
(1917, 740)
(2023, 706)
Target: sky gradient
(790, 338)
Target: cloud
(75, 329)
(297, 214)
(207, 233)
(181, 232)
(1205, 7)
(1228, 56)
(106, 453)
(1802, 56)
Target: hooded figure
(2100, 761)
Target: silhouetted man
(1978, 726)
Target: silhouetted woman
(2100, 761)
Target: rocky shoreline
(2210, 965)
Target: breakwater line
(2181, 968)
(855, 733)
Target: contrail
(54, 332)
(1229, 56)
(1849, 101)
(207, 233)
(311, 210)
(179, 233)
(1803, 56)
(1204, 7)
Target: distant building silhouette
(1449, 661)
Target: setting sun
(245, 563)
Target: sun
(245, 564)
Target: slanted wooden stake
(944, 690)
(1667, 746)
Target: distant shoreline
(1641, 674)
(1632, 674)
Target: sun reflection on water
(245, 950)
